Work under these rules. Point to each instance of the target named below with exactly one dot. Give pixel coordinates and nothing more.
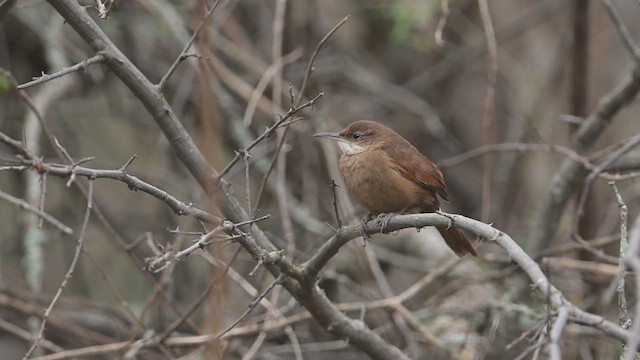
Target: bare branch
(632, 260)
(279, 280)
(311, 267)
(134, 183)
(43, 215)
(81, 66)
(624, 245)
(334, 202)
(613, 157)
(183, 54)
(292, 111)
(15, 330)
(517, 147)
(307, 73)
(623, 31)
(556, 332)
(69, 275)
(489, 114)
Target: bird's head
(360, 136)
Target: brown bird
(386, 174)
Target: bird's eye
(356, 136)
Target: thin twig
(43, 215)
(134, 183)
(489, 116)
(280, 157)
(265, 178)
(335, 202)
(623, 31)
(252, 305)
(15, 330)
(114, 290)
(295, 103)
(69, 275)
(399, 321)
(556, 332)
(624, 320)
(268, 133)
(161, 262)
(247, 180)
(33, 107)
(124, 167)
(633, 261)
(43, 195)
(517, 147)
(264, 81)
(198, 301)
(183, 54)
(588, 184)
(47, 77)
(255, 346)
(295, 343)
(307, 73)
(63, 151)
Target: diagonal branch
(67, 70)
(142, 88)
(623, 31)
(43, 215)
(183, 54)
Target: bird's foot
(363, 232)
(385, 218)
(440, 212)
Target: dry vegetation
(164, 198)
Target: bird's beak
(329, 135)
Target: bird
(388, 175)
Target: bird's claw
(363, 232)
(385, 219)
(450, 224)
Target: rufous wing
(419, 169)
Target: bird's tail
(456, 240)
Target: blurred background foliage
(383, 64)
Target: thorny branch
(292, 111)
(81, 66)
(30, 161)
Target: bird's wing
(421, 171)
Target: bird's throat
(350, 148)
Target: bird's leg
(385, 218)
(363, 232)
